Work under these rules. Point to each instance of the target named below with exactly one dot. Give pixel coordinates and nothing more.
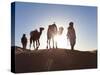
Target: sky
(31, 16)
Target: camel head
(41, 29)
(60, 30)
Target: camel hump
(34, 32)
(53, 27)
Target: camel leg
(56, 44)
(53, 42)
(49, 44)
(34, 44)
(30, 42)
(38, 43)
(23, 45)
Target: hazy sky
(31, 16)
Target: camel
(51, 33)
(34, 37)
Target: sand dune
(53, 59)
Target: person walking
(71, 35)
(24, 41)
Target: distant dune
(53, 59)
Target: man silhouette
(24, 41)
(71, 35)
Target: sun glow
(56, 38)
(61, 41)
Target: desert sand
(53, 59)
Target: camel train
(51, 33)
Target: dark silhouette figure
(51, 33)
(34, 37)
(71, 35)
(24, 41)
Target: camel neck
(40, 32)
